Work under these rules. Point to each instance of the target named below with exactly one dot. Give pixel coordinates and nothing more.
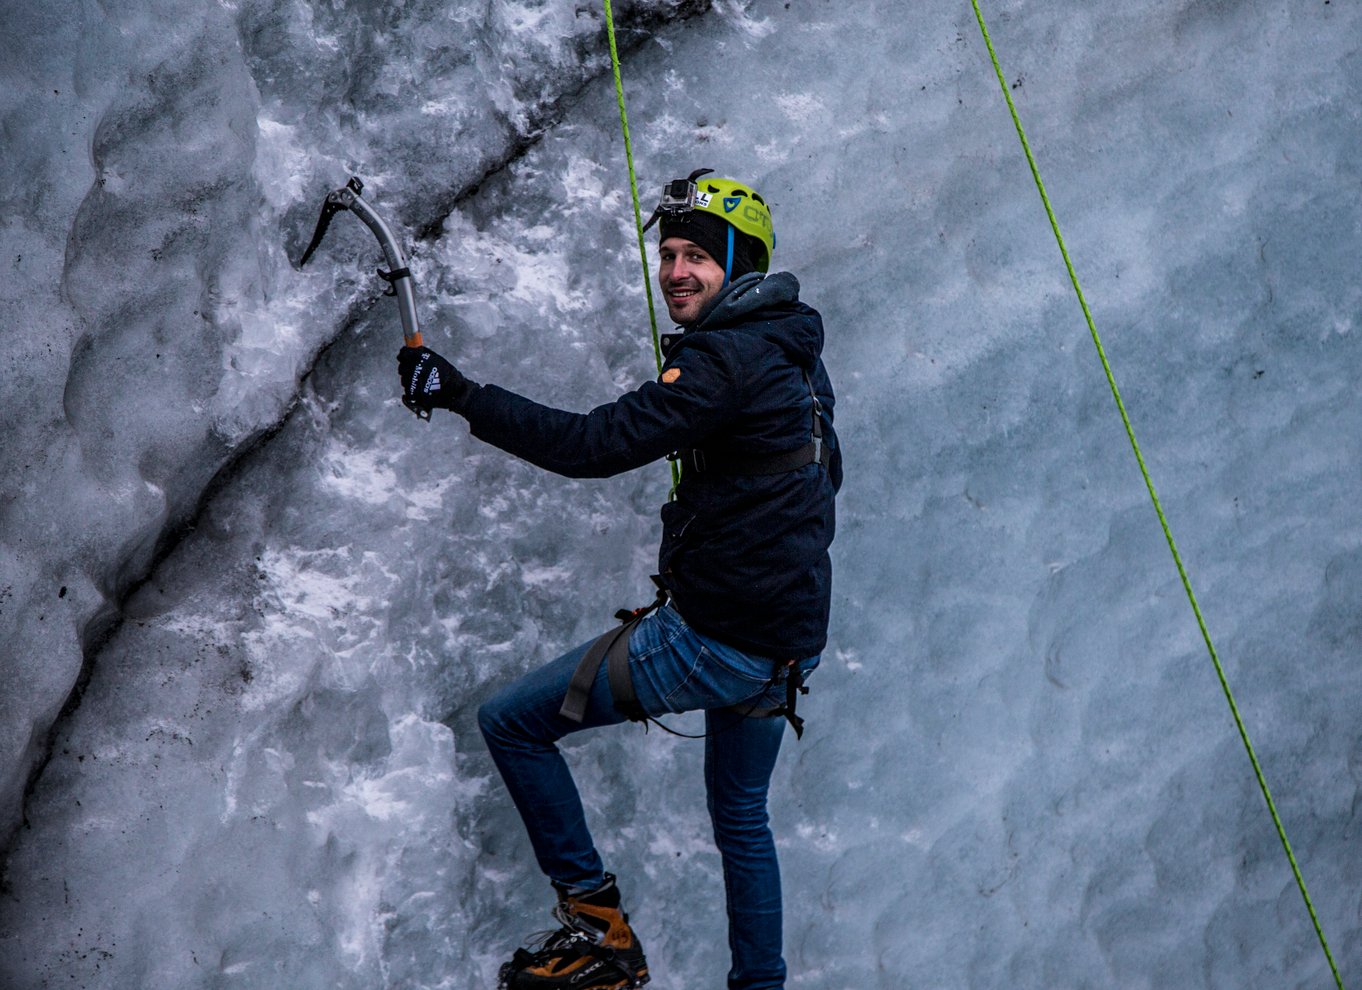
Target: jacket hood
(768, 305)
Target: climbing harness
(612, 649)
(1158, 508)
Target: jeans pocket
(742, 667)
(710, 682)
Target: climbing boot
(594, 950)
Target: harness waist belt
(702, 461)
(716, 462)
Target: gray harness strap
(612, 649)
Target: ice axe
(398, 275)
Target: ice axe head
(335, 202)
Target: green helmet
(736, 204)
(743, 207)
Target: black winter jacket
(745, 556)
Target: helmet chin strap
(728, 262)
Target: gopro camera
(678, 197)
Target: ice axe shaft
(398, 275)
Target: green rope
(638, 212)
(1163, 520)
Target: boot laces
(574, 927)
(574, 931)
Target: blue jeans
(674, 669)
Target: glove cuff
(461, 395)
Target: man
(745, 404)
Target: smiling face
(688, 277)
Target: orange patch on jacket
(671, 375)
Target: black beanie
(711, 233)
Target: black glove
(430, 382)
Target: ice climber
(745, 404)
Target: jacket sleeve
(637, 428)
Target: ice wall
(1019, 770)
(162, 162)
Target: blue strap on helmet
(728, 263)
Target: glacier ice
(163, 162)
(1019, 770)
